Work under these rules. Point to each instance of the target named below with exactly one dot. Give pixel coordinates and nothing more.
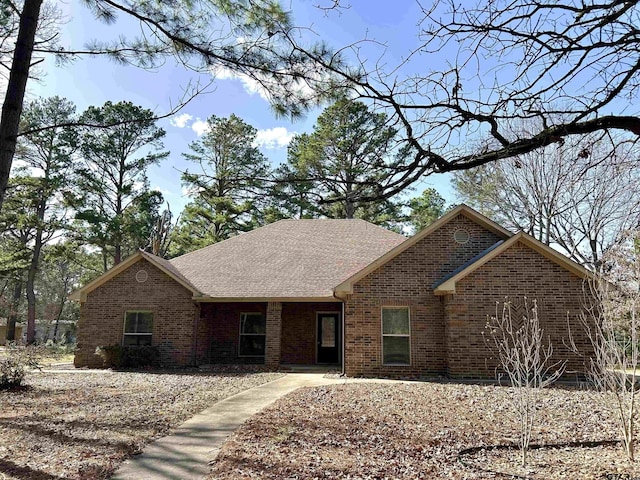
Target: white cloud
(181, 120)
(200, 127)
(271, 138)
(268, 88)
(250, 85)
(163, 191)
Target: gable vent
(461, 236)
(141, 276)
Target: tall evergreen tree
(115, 207)
(226, 186)
(340, 169)
(48, 154)
(202, 36)
(18, 228)
(426, 209)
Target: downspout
(195, 335)
(343, 341)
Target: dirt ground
(418, 431)
(83, 425)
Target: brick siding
(299, 331)
(516, 273)
(446, 331)
(274, 334)
(219, 330)
(407, 281)
(219, 335)
(102, 315)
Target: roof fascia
(205, 299)
(81, 294)
(346, 287)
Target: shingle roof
(286, 259)
(169, 267)
(466, 264)
(448, 284)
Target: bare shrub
(612, 324)
(15, 362)
(525, 357)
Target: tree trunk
(63, 298)
(105, 265)
(13, 314)
(35, 259)
(31, 296)
(349, 209)
(117, 256)
(14, 98)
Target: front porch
(272, 333)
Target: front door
(328, 338)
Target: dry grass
(83, 425)
(49, 361)
(416, 431)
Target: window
(396, 336)
(138, 327)
(253, 330)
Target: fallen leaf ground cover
(417, 431)
(83, 425)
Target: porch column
(274, 330)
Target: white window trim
(124, 325)
(240, 334)
(382, 335)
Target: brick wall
(102, 315)
(299, 331)
(407, 281)
(274, 334)
(219, 330)
(219, 335)
(517, 272)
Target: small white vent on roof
(461, 236)
(141, 276)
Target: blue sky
(93, 81)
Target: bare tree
(160, 238)
(615, 334)
(525, 357)
(576, 196)
(565, 65)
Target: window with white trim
(253, 333)
(138, 328)
(396, 336)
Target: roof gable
(448, 284)
(346, 287)
(160, 263)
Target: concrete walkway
(187, 453)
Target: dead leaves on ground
(415, 431)
(83, 425)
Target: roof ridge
(249, 232)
